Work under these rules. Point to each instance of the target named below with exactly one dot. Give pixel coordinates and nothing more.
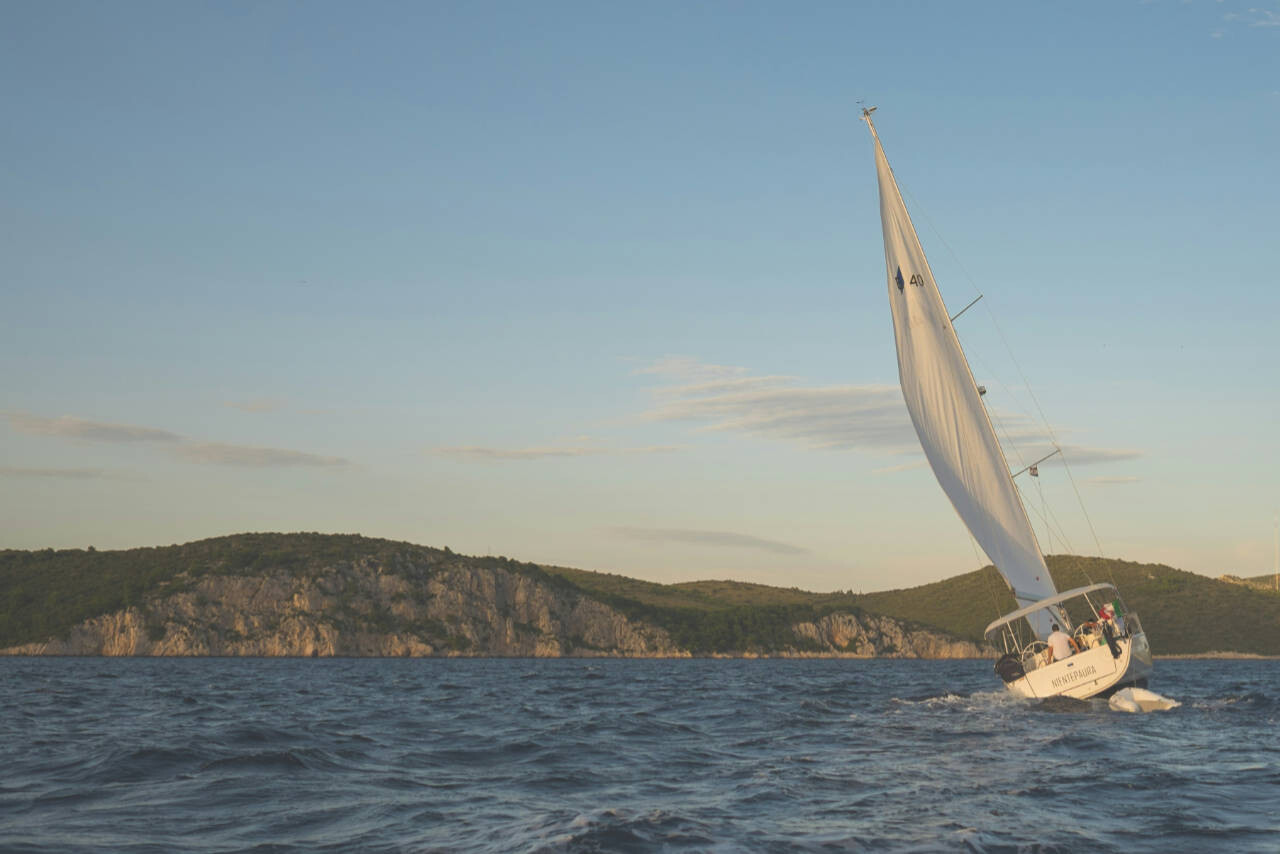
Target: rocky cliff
(428, 603)
(872, 636)
(365, 609)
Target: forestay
(947, 410)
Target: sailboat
(1108, 648)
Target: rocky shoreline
(444, 608)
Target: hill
(46, 592)
(1269, 582)
(1183, 613)
(314, 594)
(714, 616)
(455, 604)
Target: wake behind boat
(1081, 643)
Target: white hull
(1092, 673)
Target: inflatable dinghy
(1140, 700)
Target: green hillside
(712, 616)
(962, 605)
(46, 592)
(696, 595)
(1183, 613)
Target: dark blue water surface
(602, 755)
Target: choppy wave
(571, 756)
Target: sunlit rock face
(366, 609)
(870, 636)
(446, 606)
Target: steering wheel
(1033, 654)
(1087, 634)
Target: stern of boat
(1112, 654)
(1095, 672)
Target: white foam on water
(976, 700)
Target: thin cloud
(721, 398)
(690, 370)
(726, 385)
(727, 399)
(257, 404)
(832, 417)
(1076, 455)
(65, 473)
(1080, 455)
(1254, 17)
(1025, 441)
(475, 453)
(1112, 481)
(719, 539)
(211, 453)
(248, 456)
(66, 427)
(918, 464)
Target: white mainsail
(946, 408)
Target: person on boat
(1108, 614)
(1060, 644)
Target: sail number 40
(916, 279)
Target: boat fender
(1009, 666)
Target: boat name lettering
(1074, 676)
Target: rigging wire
(982, 565)
(1039, 514)
(1062, 531)
(1044, 514)
(1052, 436)
(1026, 383)
(1051, 521)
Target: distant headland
(309, 594)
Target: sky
(602, 285)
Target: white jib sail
(947, 410)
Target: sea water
(498, 755)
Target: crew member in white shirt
(1061, 644)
